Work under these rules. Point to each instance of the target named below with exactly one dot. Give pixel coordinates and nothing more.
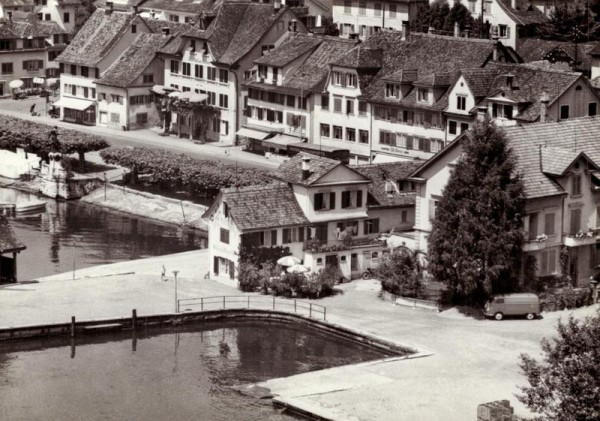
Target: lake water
(73, 234)
(172, 376)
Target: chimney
(294, 25)
(481, 113)
(305, 167)
(513, 4)
(276, 6)
(136, 10)
(456, 30)
(544, 101)
(165, 30)
(430, 30)
(9, 14)
(109, 7)
(405, 30)
(495, 38)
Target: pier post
(273, 303)
(310, 310)
(133, 319)
(72, 326)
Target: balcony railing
(348, 243)
(582, 238)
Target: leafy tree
(565, 385)
(83, 11)
(572, 21)
(476, 238)
(401, 274)
(37, 138)
(329, 27)
(442, 17)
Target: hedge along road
(141, 138)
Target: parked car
(522, 304)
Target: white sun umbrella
(196, 98)
(15, 84)
(298, 269)
(288, 261)
(175, 94)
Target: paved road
(147, 138)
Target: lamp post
(175, 272)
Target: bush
(249, 278)
(171, 169)
(401, 274)
(566, 298)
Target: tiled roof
(95, 39)
(185, 6)
(532, 49)
(428, 54)
(571, 136)
(312, 74)
(30, 26)
(555, 161)
(361, 57)
(263, 207)
(435, 80)
(379, 173)
(291, 49)
(525, 13)
(479, 80)
(236, 29)
(133, 61)
(17, 3)
(8, 240)
(291, 170)
(175, 41)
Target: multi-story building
(363, 18)
(327, 213)
(562, 54)
(385, 98)
(217, 60)
(98, 44)
(558, 165)
(60, 11)
(312, 13)
(514, 94)
(512, 20)
(24, 53)
(282, 87)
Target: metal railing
(318, 246)
(259, 302)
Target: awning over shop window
(74, 103)
(280, 140)
(383, 159)
(252, 134)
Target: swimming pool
(180, 375)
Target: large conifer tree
(476, 239)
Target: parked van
(527, 305)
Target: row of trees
(41, 139)
(169, 169)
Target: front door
(332, 260)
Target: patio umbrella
(161, 89)
(15, 84)
(288, 261)
(297, 269)
(175, 94)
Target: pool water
(172, 376)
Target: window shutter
(301, 234)
(376, 225)
(231, 270)
(274, 237)
(431, 210)
(507, 31)
(359, 198)
(216, 263)
(332, 200)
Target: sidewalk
(140, 138)
(473, 361)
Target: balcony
(535, 244)
(348, 243)
(583, 238)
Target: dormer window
(262, 71)
(576, 185)
(275, 74)
(338, 78)
(461, 102)
(422, 95)
(392, 90)
(503, 111)
(351, 80)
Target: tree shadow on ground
(471, 312)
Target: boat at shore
(31, 205)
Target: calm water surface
(174, 376)
(72, 234)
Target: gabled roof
(533, 49)
(290, 50)
(184, 6)
(290, 171)
(528, 83)
(28, 27)
(379, 174)
(236, 29)
(525, 13)
(261, 207)
(361, 57)
(556, 161)
(427, 54)
(175, 40)
(96, 38)
(17, 3)
(8, 239)
(133, 61)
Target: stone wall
(56, 182)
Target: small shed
(9, 245)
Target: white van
(523, 304)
